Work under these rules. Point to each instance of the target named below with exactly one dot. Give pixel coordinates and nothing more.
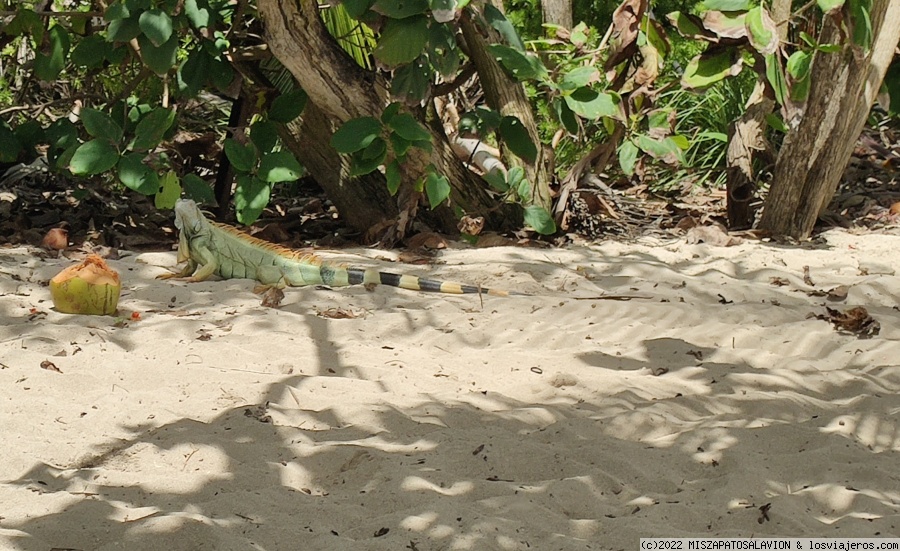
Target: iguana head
(188, 218)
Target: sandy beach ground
(708, 405)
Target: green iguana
(213, 248)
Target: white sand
(537, 423)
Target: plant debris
(855, 320)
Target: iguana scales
(213, 248)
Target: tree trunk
(747, 136)
(557, 12)
(506, 95)
(364, 201)
(343, 90)
(814, 155)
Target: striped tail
(356, 276)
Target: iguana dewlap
(213, 248)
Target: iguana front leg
(201, 263)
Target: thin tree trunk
(557, 12)
(504, 94)
(343, 90)
(747, 136)
(814, 156)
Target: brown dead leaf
(806, 279)
(338, 314)
(272, 297)
(854, 320)
(49, 366)
(839, 293)
(427, 240)
(779, 281)
(413, 257)
(625, 27)
(895, 208)
(471, 225)
(713, 235)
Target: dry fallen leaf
(854, 320)
(838, 293)
(49, 366)
(713, 235)
(779, 281)
(272, 297)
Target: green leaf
(400, 9)
(116, 11)
(242, 157)
(159, 58)
(357, 8)
(169, 191)
(100, 125)
(862, 23)
(198, 190)
(566, 116)
(665, 150)
(502, 25)
(443, 11)
(775, 76)
(91, 52)
(94, 157)
(29, 134)
(355, 134)
(251, 195)
(123, 30)
(590, 104)
(681, 141)
(193, 72)
(798, 64)
(688, 26)
(520, 65)
(26, 21)
(830, 6)
(136, 175)
(370, 158)
(437, 189)
(762, 33)
(197, 12)
(264, 135)
(514, 177)
(151, 128)
(442, 50)
(288, 107)
(61, 134)
(628, 153)
(516, 137)
(47, 66)
(539, 219)
(409, 128)
(279, 166)
(710, 67)
(411, 82)
(497, 180)
(725, 5)
(10, 147)
(402, 40)
(578, 77)
(399, 145)
(156, 25)
(392, 176)
(390, 111)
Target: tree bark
(747, 136)
(814, 156)
(342, 90)
(557, 12)
(506, 95)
